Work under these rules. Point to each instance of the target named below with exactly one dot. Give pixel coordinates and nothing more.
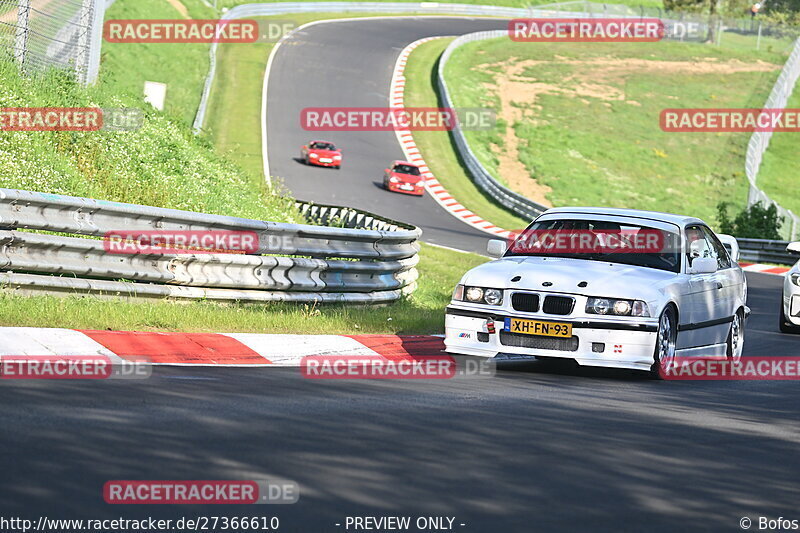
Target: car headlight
(337, 157)
(493, 296)
(478, 295)
(616, 307)
(394, 180)
(313, 155)
(796, 279)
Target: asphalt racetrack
(349, 64)
(536, 448)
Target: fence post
(82, 60)
(95, 41)
(21, 43)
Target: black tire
(737, 323)
(669, 315)
(786, 326)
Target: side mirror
(703, 265)
(793, 247)
(732, 245)
(386, 170)
(496, 248)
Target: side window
(696, 244)
(720, 252)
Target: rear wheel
(666, 340)
(785, 325)
(736, 337)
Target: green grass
(420, 313)
(592, 151)
(779, 175)
(437, 147)
(161, 164)
(183, 67)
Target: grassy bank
(584, 120)
(779, 174)
(183, 67)
(437, 147)
(422, 312)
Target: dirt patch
(598, 78)
(177, 4)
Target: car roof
(399, 162)
(679, 220)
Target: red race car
(321, 153)
(404, 177)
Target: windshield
(323, 146)
(600, 240)
(406, 169)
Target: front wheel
(735, 341)
(664, 354)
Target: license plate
(538, 327)
(407, 187)
(325, 160)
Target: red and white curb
(412, 154)
(765, 269)
(210, 349)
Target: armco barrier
(371, 259)
(765, 251)
(515, 202)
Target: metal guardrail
(515, 202)
(766, 251)
(371, 260)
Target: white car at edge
(625, 310)
(790, 307)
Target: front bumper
(317, 162)
(415, 191)
(628, 344)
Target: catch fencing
(363, 258)
(759, 142)
(42, 34)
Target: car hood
(602, 278)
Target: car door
(699, 325)
(729, 277)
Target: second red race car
(404, 177)
(321, 153)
